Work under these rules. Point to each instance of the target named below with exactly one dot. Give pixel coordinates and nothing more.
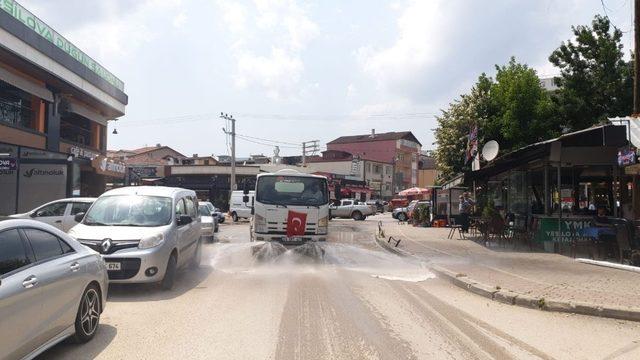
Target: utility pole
(309, 147)
(232, 182)
(636, 52)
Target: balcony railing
(15, 114)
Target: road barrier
(391, 238)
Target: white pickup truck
(351, 208)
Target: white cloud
(276, 68)
(180, 20)
(120, 33)
(419, 44)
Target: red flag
(296, 223)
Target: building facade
(401, 150)
(427, 170)
(55, 102)
(148, 162)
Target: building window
(206, 162)
(15, 106)
(77, 129)
(388, 170)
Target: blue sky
(303, 70)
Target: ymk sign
(37, 172)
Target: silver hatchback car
(51, 287)
(144, 233)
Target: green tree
(513, 110)
(521, 110)
(454, 125)
(595, 81)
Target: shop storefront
(30, 177)
(557, 185)
(55, 102)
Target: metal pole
(636, 76)
(304, 153)
(233, 153)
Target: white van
(144, 233)
(237, 208)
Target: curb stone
(513, 298)
(505, 296)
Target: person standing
(466, 208)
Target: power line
(269, 140)
(266, 144)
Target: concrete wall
(383, 151)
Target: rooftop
(394, 135)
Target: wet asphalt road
(359, 302)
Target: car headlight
(151, 241)
(323, 225)
(207, 225)
(259, 224)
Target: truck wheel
(234, 217)
(356, 215)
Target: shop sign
(626, 157)
(8, 164)
(28, 153)
(82, 153)
(39, 27)
(563, 230)
(145, 172)
(109, 167)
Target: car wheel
(234, 217)
(356, 215)
(197, 257)
(88, 317)
(170, 273)
(402, 217)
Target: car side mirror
(184, 220)
(245, 199)
(245, 189)
(79, 216)
(33, 214)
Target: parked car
(144, 233)
(215, 211)
(51, 288)
(209, 222)
(237, 208)
(350, 208)
(379, 205)
(59, 213)
(400, 213)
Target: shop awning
(87, 113)
(597, 136)
(26, 85)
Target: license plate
(293, 239)
(113, 266)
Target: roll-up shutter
(26, 85)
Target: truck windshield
(130, 210)
(292, 190)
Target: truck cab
(290, 207)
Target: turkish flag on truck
(296, 223)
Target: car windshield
(204, 210)
(292, 190)
(130, 210)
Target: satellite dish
(490, 150)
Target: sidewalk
(548, 281)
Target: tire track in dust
(324, 319)
(460, 321)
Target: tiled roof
(407, 135)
